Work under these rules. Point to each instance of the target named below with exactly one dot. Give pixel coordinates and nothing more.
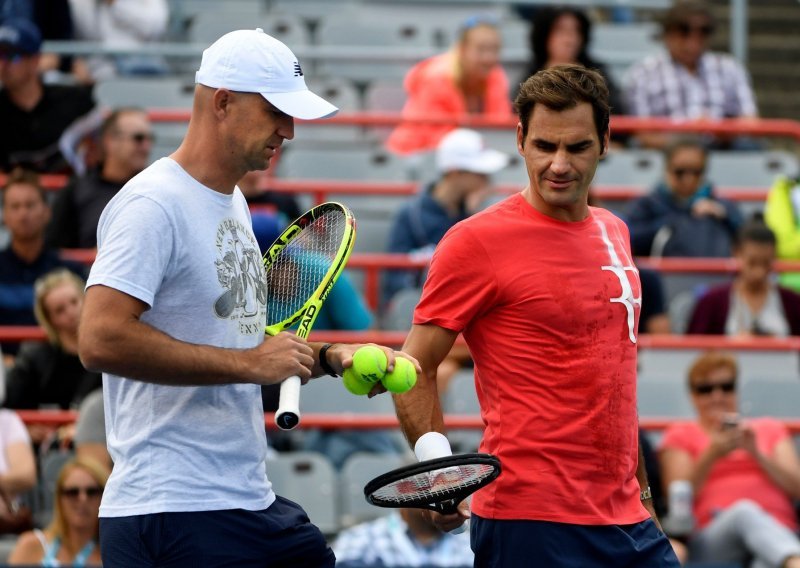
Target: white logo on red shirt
(626, 297)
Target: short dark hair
(110, 122)
(683, 10)
(20, 176)
(563, 87)
(682, 142)
(756, 231)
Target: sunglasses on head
(728, 387)
(682, 172)
(687, 29)
(74, 492)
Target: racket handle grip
(288, 414)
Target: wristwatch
(323, 360)
(646, 494)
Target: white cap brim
(491, 161)
(304, 105)
(488, 162)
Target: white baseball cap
(251, 61)
(464, 149)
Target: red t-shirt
(555, 358)
(736, 476)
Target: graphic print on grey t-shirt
(240, 272)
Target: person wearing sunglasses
(687, 80)
(745, 474)
(125, 143)
(71, 538)
(682, 216)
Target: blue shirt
(417, 229)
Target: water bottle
(680, 517)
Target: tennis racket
(439, 484)
(302, 266)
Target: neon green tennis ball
(354, 383)
(402, 378)
(370, 363)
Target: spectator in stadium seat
(465, 81)
(50, 373)
(782, 215)
(72, 538)
(126, 138)
(464, 166)
(745, 474)
(654, 317)
(682, 216)
(403, 538)
(121, 24)
(554, 342)
(686, 80)
(561, 35)
(751, 304)
(34, 115)
(17, 472)
(26, 258)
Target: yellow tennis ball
(402, 378)
(354, 383)
(370, 363)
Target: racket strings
(300, 267)
(435, 485)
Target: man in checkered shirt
(687, 81)
(404, 538)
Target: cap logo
(298, 72)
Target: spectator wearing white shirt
(121, 24)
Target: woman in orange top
(466, 80)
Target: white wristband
(432, 445)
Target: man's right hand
(279, 357)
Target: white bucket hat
(463, 149)
(251, 61)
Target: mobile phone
(730, 421)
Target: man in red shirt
(544, 289)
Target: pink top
(432, 90)
(736, 476)
(555, 358)
(12, 430)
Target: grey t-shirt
(189, 253)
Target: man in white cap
(184, 419)
(465, 165)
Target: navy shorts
(533, 544)
(279, 536)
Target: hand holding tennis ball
(402, 378)
(355, 384)
(370, 363)
(369, 367)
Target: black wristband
(323, 360)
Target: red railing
(345, 420)
(374, 263)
